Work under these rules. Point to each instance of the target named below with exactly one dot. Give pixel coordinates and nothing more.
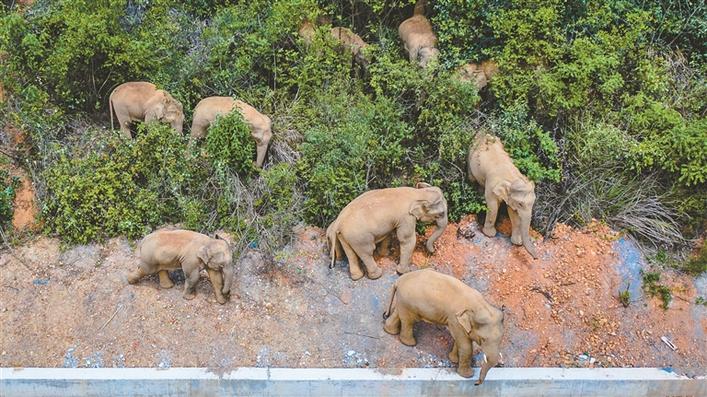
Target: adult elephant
(492, 168)
(208, 109)
(142, 101)
(372, 216)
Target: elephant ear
(204, 254)
(156, 112)
(418, 208)
(502, 190)
(464, 318)
(422, 185)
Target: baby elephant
(260, 125)
(371, 217)
(492, 167)
(440, 299)
(163, 250)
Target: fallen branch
(364, 335)
(111, 318)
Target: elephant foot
(134, 277)
(166, 284)
(375, 273)
(408, 340)
(356, 274)
(489, 231)
(465, 371)
(221, 300)
(393, 330)
(453, 356)
(401, 269)
(516, 240)
(189, 295)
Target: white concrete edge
(338, 374)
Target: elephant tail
(386, 314)
(333, 241)
(110, 107)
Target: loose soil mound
(74, 308)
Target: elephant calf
(492, 168)
(260, 125)
(440, 299)
(372, 216)
(163, 250)
(142, 101)
(418, 38)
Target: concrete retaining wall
(620, 382)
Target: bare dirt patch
(74, 308)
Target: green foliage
(8, 188)
(353, 144)
(651, 284)
(625, 297)
(697, 264)
(126, 189)
(229, 144)
(600, 103)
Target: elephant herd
(368, 223)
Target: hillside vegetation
(601, 103)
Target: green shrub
(127, 189)
(651, 284)
(8, 188)
(354, 144)
(229, 144)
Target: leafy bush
(8, 187)
(353, 144)
(126, 189)
(229, 144)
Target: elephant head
(167, 110)
(484, 325)
(430, 206)
(520, 196)
(427, 55)
(216, 255)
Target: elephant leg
(384, 246)
(406, 237)
(392, 323)
(354, 264)
(407, 321)
(464, 349)
(490, 222)
(260, 150)
(217, 283)
(372, 269)
(165, 281)
(454, 354)
(190, 283)
(516, 237)
(124, 123)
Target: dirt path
(74, 308)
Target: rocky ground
(73, 307)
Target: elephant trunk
(441, 225)
(178, 126)
(491, 358)
(227, 278)
(525, 234)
